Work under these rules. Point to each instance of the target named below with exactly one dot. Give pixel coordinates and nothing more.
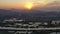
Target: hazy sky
(20, 3)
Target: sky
(25, 4)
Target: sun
(28, 5)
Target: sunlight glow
(28, 5)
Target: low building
(55, 22)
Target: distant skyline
(20, 4)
